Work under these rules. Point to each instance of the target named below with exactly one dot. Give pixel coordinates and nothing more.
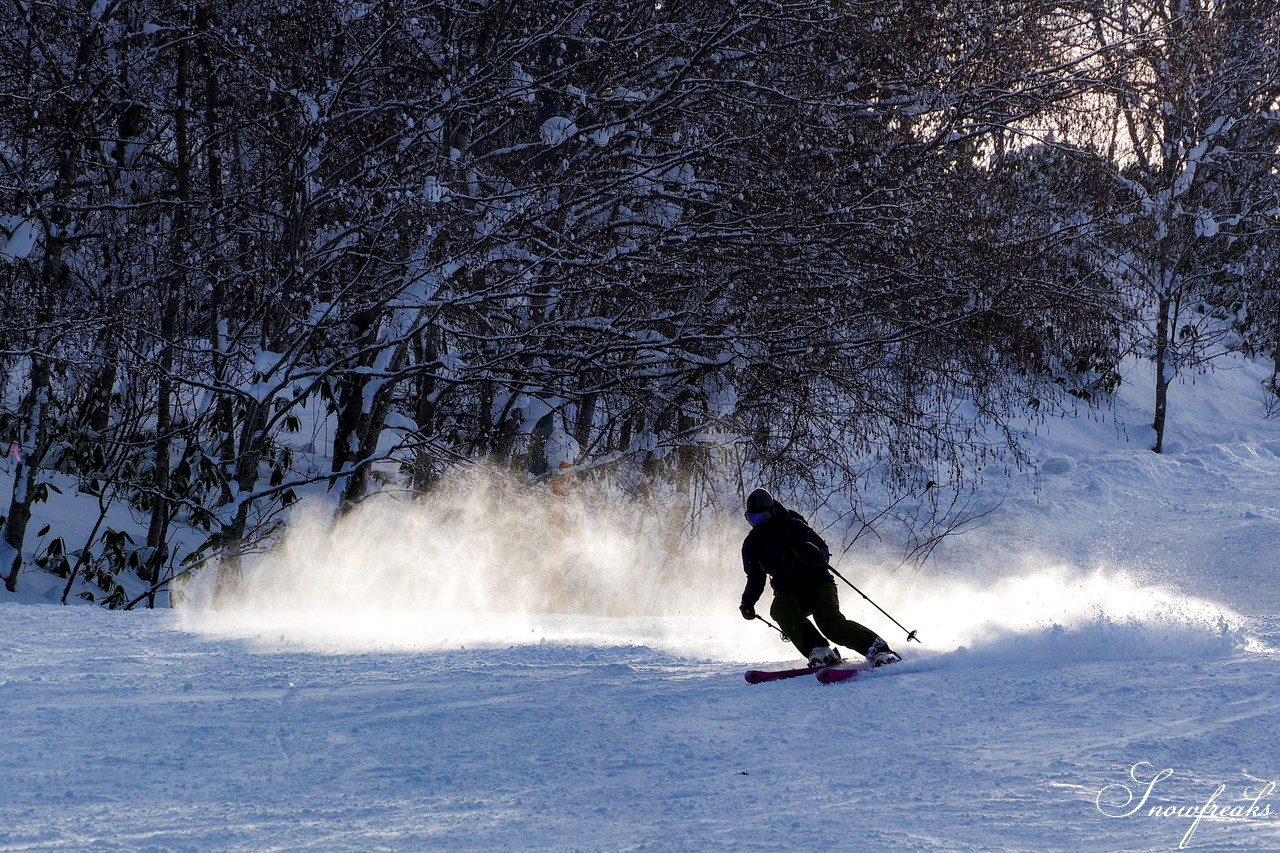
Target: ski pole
(817, 552)
(911, 635)
(784, 637)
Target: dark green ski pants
(792, 612)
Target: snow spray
(482, 562)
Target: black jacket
(777, 548)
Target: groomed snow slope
(1116, 615)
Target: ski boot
(823, 656)
(880, 654)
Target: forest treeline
(246, 248)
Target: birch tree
(1196, 124)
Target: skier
(783, 546)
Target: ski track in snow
(126, 732)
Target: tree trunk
(585, 420)
(225, 403)
(1163, 368)
(369, 432)
(53, 277)
(430, 349)
(24, 477)
(350, 393)
(158, 529)
(233, 534)
(230, 569)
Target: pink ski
(827, 675)
(832, 674)
(759, 676)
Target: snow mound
(1057, 615)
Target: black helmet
(760, 507)
(759, 501)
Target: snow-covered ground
(1114, 619)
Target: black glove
(748, 611)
